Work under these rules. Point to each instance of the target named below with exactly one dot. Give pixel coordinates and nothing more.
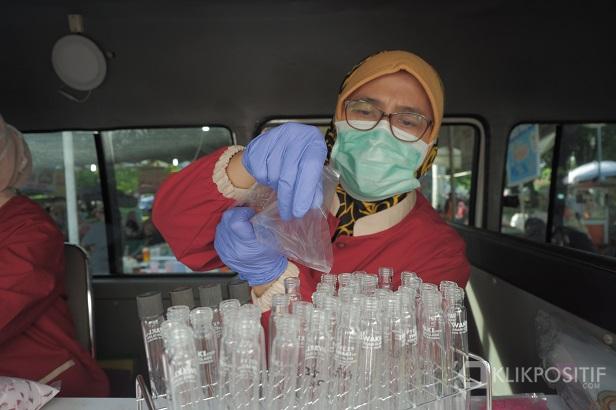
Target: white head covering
(15, 158)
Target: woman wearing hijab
(382, 139)
(37, 337)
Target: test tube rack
(454, 395)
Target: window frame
(568, 251)
(104, 157)
(477, 197)
(552, 177)
(71, 130)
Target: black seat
(79, 292)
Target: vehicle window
(140, 160)
(321, 123)
(584, 211)
(579, 211)
(528, 173)
(453, 167)
(449, 184)
(65, 181)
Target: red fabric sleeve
(32, 267)
(187, 208)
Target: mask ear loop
(427, 163)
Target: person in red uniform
(382, 139)
(37, 337)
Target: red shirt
(188, 207)
(36, 330)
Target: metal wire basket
(453, 395)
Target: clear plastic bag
(306, 240)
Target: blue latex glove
(289, 159)
(237, 246)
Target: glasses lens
(362, 115)
(409, 126)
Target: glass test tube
(179, 313)
(344, 280)
(457, 330)
(369, 284)
(385, 277)
(327, 288)
(283, 358)
(317, 298)
(393, 339)
(228, 344)
(206, 344)
(291, 289)
(330, 306)
(302, 310)
(280, 306)
(407, 278)
(246, 364)
(346, 356)
(410, 352)
(329, 279)
(345, 294)
(150, 309)
(183, 370)
(370, 353)
(316, 362)
(210, 295)
(226, 306)
(433, 345)
(254, 312)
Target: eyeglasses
(406, 126)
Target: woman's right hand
(289, 159)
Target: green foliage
(544, 179)
(465, 182)
(127, 176)
(86, 179)
(127, 179)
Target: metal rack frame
(427, 401)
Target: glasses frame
(388, 115)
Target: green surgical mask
(375, 165)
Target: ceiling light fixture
(77, 60)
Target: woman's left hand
(237, 246)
